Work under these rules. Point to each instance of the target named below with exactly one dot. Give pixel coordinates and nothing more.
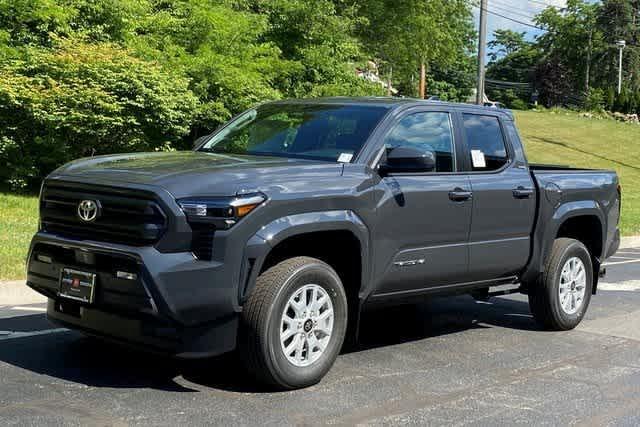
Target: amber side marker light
(244, 210)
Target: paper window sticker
(345, 158)
(477, 158)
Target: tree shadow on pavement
(72, 357)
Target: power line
(528, 24)
(505, 4)
(506, 83)
(513, 12)
(517, 21)
(542, 3)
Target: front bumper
(176, 304)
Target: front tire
(561, 297)
(294, 323)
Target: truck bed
(565, 191)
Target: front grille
(134, 219)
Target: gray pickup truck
(274, 233)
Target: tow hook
(602, 272)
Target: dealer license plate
(77, 285)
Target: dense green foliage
(401, 34)
(81, 100)
(84, 77)
(575, 61)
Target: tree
(571, 38)
(516, 66)
(514, 60)
(408, 34)
(97, 76)
(620, 20)
(553, 80)
(505, 43)
(318, 38)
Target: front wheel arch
(337, 225)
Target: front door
(423, 218)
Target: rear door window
(486, 144)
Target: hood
(192, 173)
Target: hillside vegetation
(560, 137)
(567, 138)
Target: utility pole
(621, 44)
(587, 74)
(482, 50)
(423, 83)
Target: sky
(521, 10)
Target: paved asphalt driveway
(447, 361)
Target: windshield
(311, 131)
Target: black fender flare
(543, 241)
(269, 236)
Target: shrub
(519, 104)
(595, 100)
(82, 100)
(611, 98)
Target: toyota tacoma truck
(274, 233)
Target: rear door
(504, 197)
(423, 218)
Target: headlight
(222, 211)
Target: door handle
(522, 193)
(460, 195)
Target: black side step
(483, 294)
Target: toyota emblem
(88, 210)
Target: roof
(392, 102)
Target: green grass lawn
(561, 138)
(567, 138)
(18, 222)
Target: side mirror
(409, 159)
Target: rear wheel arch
(587, 229)
(579, 220)
(585, 226)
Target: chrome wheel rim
(306, 325)
(573, 285)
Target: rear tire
(294, 323)
(561, 297)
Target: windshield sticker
(345, 158)
(477, 158)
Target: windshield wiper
(226, 156)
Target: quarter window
(485, 141)
(428, 131)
